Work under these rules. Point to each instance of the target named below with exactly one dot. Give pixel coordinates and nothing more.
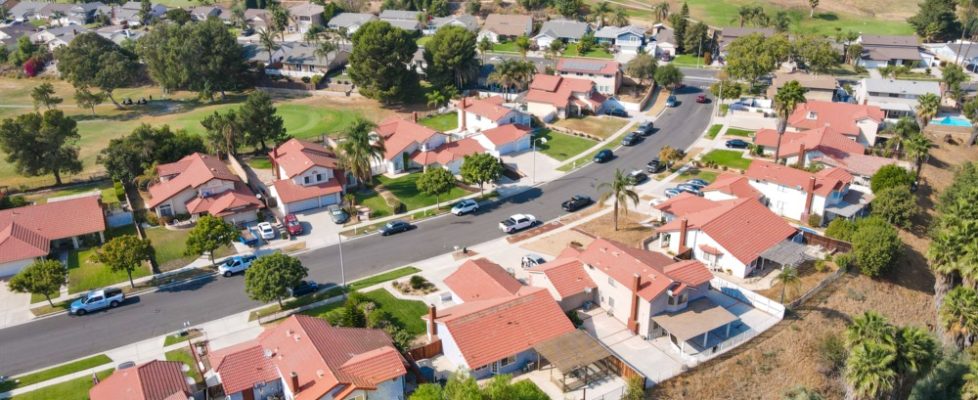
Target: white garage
(295, 198)
(505, 139)
(13, 267)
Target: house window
(812, 115)
(611, 282)
(611, 301)
(166, 210)
(507, 361)
(305, 180)
(319, 177)
(673, 300)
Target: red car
(702, 99)
(292, 225)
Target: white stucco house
(477, 115)
(29, 233)
(201, 184)
(307, 177)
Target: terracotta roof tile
(244, 368)
(558, 91)
(826, 181)
(841, 116)
(37, 225)
(296, 156)
(504, 134)
(400, 133)
(567, 276)
(482, 279)
(491, 108)
(823, 139)
(225, 203)
(736, 185)
(448, 152)
(195, 170)
(684, 203)
(155, 380)
(622, 263)
(290, 192)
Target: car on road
(517, 222)
(395, 226)
(465, 206)
(672, 192)
(292, 225)
(603, 156)
(672, 101)
(655, 166)
(737, 144)
(702, 99)
(618, 112)
(338, 214)
(637, 176)
(97, 300)
(266, 231)
(631, 139)
(236, 264)
(576, 202)
(531, 260)
(303, 288)
(646, 128)
(698, 182)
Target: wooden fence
(832, 245)
(625, 370)
(427, 351)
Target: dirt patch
(809, 279)
(630, 230)
(552, 245)
(534, 232)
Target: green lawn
(599, 127)
(441, 122)
(596, 52)
(75, 389)
(708, 176)
(729, 158)
(738, 132)
(717, 13)
(184, 356)
(84, 275)
(687, 59)
(384, 277)
(170, 244)
(324, 310)
(560, 146)
(406, 189)
(713, 131)
(407, 313)
(590, 156)
(423, 40)
(108, 193)
(260, 162)
(51, 373)
(369, 198)
(505, 47)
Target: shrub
(379, 319)
(890, 176)
(843, 260)
(33, 66)
(815, 220)
(574, 318)
(831, 352)
(316, 79)
(875, 245)
(165, 220)
(418, 282)
(396, 206)
(821, 266)
(306, 79)
(120, 191)
(896, 205)
(12, 202)
(841, 229)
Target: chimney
(432, 314)
(809, 196)
(683, 230)
(633, 313)
(462, 110)
(295, 383)
(414, 116)
(801, 155)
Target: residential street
(57, 339)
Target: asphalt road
(62, 338)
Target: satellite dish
(185, 368)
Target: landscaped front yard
(169, 246)
(506, 47)
(108, 193)
(596, 52)
(75, 389)
(738, 132)
(560, 146)
(406, 189)
(687, 59)
(183, 355)
(406, 313)
(85, 275)
(54, 372)
(728, 158)
(441, 122)
(374, 201)
(600, 127)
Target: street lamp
(342, 269)
(533, 175)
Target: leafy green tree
(91, 60)
(480, 169)
(586, 44)
(473, 7)
(462, 387)
(935, 21)
(359, 150)
(952, 76)
(890, 176)
(749, 58)
(523, 44)
(43, 277)
(124, 253)
(668, 76)
(944, 381)
(380, 52)
(697, 40)
(786, 100)
(436, 182)
(128, 157)
(271, 276)
(352, 316)
(178, 16)
(259, 122)
(816, 54)
(679, 27)
(619, 190)
(428, 391)
(209, 234)
(841, 228)
(896, 205)
(86, 99)
(39, 144)
(25, 50)
(204, 57)
(223, 131)
(634, 389)
(513, 73)
(642, 67)
(875, 245)
(451, 57)
(43, 95)
(568, 8)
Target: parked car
(338, 214)
(395, 226)
(465, 206)
(672, 101)
(97, 300)
(248, 31)
(698, 182)
(292, 225)
(236, 264)
(517, 223)
(266, 230)
(672, 192)
(737, 144)
(303, 288)
(685, 187)
(630, 139)
(665, 57)
(249, 237)
(531, 260)
(576, 202)
(646, 128)
(702, 99)
(637, 176)
(603, 156)
(618, 112)
(655, 166)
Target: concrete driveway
(546, 167)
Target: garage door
(331, 199)
(303, 205)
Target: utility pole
(193, 353)
(342, 269)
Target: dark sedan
(575, 203)
(304, 288)
(631, 139)
(655, 166)
(396, 226)
(737, 144)
(603, 156)
(646, 128)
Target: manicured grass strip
(324, 310)
(713, 131)
(184, 356)
(596, 52)
(738, 132)
(75, 389)
(708, 176)
(173, 339)
(590, 156)
(441, 122)
(169, 245)
(407, 313)
(51, 373)
(374, 201)
(729, 158)
(687, 59)
(261, 162)
(384, 277)
(85, 275)
(406, 189)
(506, 47)
(296, 303)
(560, 146)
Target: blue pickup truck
(97, 300)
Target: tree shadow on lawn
(827, 16)
(161, 107)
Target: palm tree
(916, 354)
(946, 252)
(901, 131)
(601, 10)
(661, 11)
(785, 102)
(918, 149)
(523, 44)
(266, 40)
(928, 105)
(553, 51)
(970, 389)
(280, 18)
(327, 45)
(868, 374)
(788, 277)
(359, 148)
(959, 315)
(223, 131)
(511, 73)
(619, 189)
(620, 17)
(871, 327)
(484, 47)
(745, 14)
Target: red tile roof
(504, 134)
(26, 232)
(567, 276)
(826, 180)
(558, 91)
(400, 133)
(744, 227)
(296, 156)
(545, 82)
(243, 368)
(684, 203)
(448, 152)
(192, 171)
(841, 116)
(575, 65)
(622, 263)
(373, 367)
(491, 108)
(155, 380)
(288, 191)
(822, 139)
(482, 279)
(225, 203)
(736, 185)
(858, 164)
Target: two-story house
(561, 29)
(665, 42)
(627, 39)
(306, 358)
(805, 146)
(502, 27)
(477, 115)
(797, 194)
(505, 139)
(883, 50)
(897, 98)
(605, 74)
(559, 97)
(858, 122)
(201, 184)
(495, 322)
(29, 233)
(304, 16)
(726, 235)
(154, 380)
(402, 138)
(307, 176)
(350, 22)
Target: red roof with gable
(557, 91)
(26, 232)
(491, 107)
(504, 134)
(288, 191)
(684, 203)
(482, 279)
(191, 172)
(399, 133)
(657, 271)
(841, 116)
(225, 203)
(448, 152)
(858, 164)
(296, 156)
(743, 227)
(567, 276)
(155, 380)
(826, 180)
(823, 139)
(736, 185)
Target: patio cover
(700, 316)
(786, 253)
(572, 350)
(853, 202)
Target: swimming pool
(951, 121)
